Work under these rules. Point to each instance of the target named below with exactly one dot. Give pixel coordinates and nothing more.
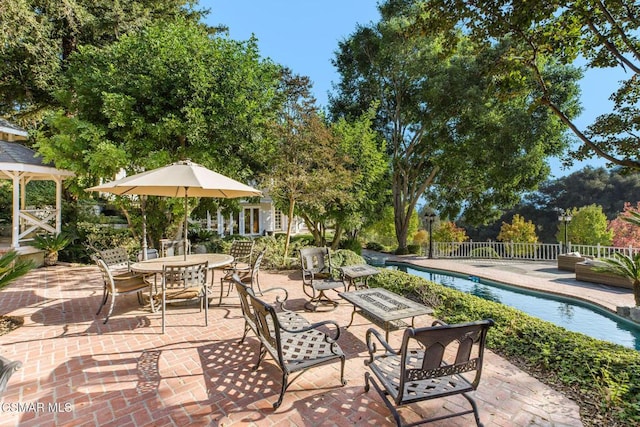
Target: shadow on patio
(127, 373)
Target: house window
(251, 221)
(277, 220)
(232, 224)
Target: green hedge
(602, 374)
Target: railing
(33, 221)
(521, 251)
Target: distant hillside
(605, 187)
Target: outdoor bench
(294, 344)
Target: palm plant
(52, 244)
(625, 266)
(12, 267)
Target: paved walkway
(78, 371)
(534, 275)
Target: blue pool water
(569, 313)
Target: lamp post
(565, 218)
(430, 218)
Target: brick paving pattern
(78, 371)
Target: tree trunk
(313, 228)
(636, 292)
(292, 203)
(336, 237)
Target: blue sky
(304, 34)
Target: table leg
(353, 313)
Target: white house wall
(266, 220)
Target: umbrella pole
(143, 202)
(186, 217)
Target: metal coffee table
(384, 308)
(357, 275)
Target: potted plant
(51, 244)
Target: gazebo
(21, 165)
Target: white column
(220, 223)
(23, 193)
(15, 225)
(58, 205)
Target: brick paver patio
(78, 371)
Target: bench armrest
(371, 345)
(330, 337)
(280, 300)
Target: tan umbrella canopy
(181, 179)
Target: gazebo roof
(10, 128)
(15, 157)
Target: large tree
(603, 34)
(451, 134)
(37, 38)
(307, 172)
(170, 92)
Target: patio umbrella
(181, 179)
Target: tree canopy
(327, 173)
(450, 134)
(603, 34)
(169, 92)
(37, 38)
(588, 226)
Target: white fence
(524, 251)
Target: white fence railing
(524, 251)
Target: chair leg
(246, 331)
(342, 380)
(282, 390)
(152, 307)
(475, 408)
(383, 394)
(105, 295)
(321, 299)
(261, 353)
(164, 308)
(139, 295)
(258, 283)
(205, 302)
(113, 302)
(221, 290)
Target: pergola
(22, 165)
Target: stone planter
(51, 258)
(199, 249)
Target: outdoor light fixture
(430, 217)
(565, 217)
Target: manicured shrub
(595, 373)
(351, 244)
(343, 257)
(96, 237)
(414, 249)
(375, 246)
(485, 252)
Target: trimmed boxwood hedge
(603, 378)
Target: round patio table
(156, 265)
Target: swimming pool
(572, 314)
